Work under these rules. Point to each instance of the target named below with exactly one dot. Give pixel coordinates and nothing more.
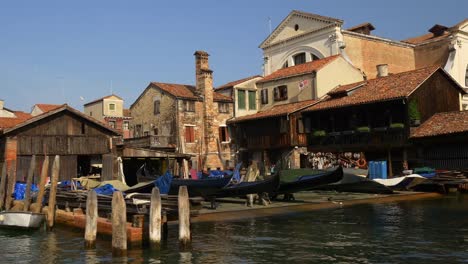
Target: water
(431, 231)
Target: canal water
(425, 231)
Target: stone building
(110, 110)
(190, 119)
(302, 37)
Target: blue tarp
(164, 183)
(106, 189)
(237, 176)
(20, 190)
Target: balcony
(152, 142)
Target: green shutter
(252, 100)
(241, 99)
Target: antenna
(269, 23)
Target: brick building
(190, 119)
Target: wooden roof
(445, 123)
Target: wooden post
(53, 192)
(155, 219)
(42, 183)
(184, 219)
(390, 169)
(119, 225)
(3, 181)
(91, 220)
(27, 194)
(10, 185)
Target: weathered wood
(155, 219)
(3, 181)
(27, 194)
(10, 185)
(184, 219)
(42, 183)
(91, 220)
(53, 192)
(119, 225)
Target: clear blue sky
(58, 51)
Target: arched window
(314, 57)
(299, 58)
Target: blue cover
(106, 189)
(20, 190)
(237, 176)
(164, 183)
(216, 174)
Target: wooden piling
(42, 182)
(91, 219)
(27, 194)
(184, 219)
(53, 192)
(3, 181)
(155, 219)
(119, 225)
(10, 185)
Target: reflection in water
(407, 232)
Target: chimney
(2, 103)
(382, 70)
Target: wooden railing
(151, 142)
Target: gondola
(206, 187)
(357, 184)
(268, 185)
(307, 182)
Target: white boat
(21, 219)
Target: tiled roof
(47, 107)
(7, 122)
(277, 110)
(127, 112)
(234, 83)
(185, 91)
(102, 98)
(300, 69)
(443, 124)
(380, 89)
(426, 37)
(366, 24)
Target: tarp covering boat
(308, 181)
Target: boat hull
(269, 185)
(206, 188)
(26, 220)
(307, 182)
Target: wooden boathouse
(80, 140)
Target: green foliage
(319, 133)
(397, 125)
(413, 110)
(363, 129)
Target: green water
(426, 231)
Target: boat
(145, 174)
(404, 183)
(268, 185)
(22, 220)
(306, 182)
(206, 187)
(354, 183)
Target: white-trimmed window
(223, 107)
(112, 123)
(125, 125)
(112, 107)
(223, 134)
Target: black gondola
(307, 182)
(206, 188)
(354, 183)
(268, 185)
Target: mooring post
(184, 219)
(155, 219)
(91, 220)
(53, 192)
(119, 225)
(3, 181)
(10, 185)
(42, 182)
(27, 194)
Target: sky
(73, 52)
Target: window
(223, 134)
(241, 99)
(155, 131)
(252, 100)
(189, 134)
(285, 65)
(189, 106)
(466, 76)
(111, 107)
(156, 107)
(296, 27)
(314, 57)
(223, 107)
(112, 124)
(299, 58)
(283, 125)
(307, 125)
(280, 93)
(125, 125)
(264, 96)
(137, 130)
(91, 113)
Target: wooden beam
(53, 192)
(27, 195)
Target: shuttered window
(264, 96)
(241, 99)
(252, 100)
(156, 107)
(189, 134)
(223, 134)
(280, 93)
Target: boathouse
(81, 141)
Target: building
(110, 110)
(185, 118)
(80, 140)
(38, 109)
(302, 37)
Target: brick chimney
(382, 70)
(204, 89)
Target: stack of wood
(136, 203)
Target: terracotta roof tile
(47, 107)
(277, 110)
(185, 91)
(234, 83)
(127, 112)
(300, 69)
(7, 122)
(102, 98)
(380, 89)
(442, 124)
(425, 37)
